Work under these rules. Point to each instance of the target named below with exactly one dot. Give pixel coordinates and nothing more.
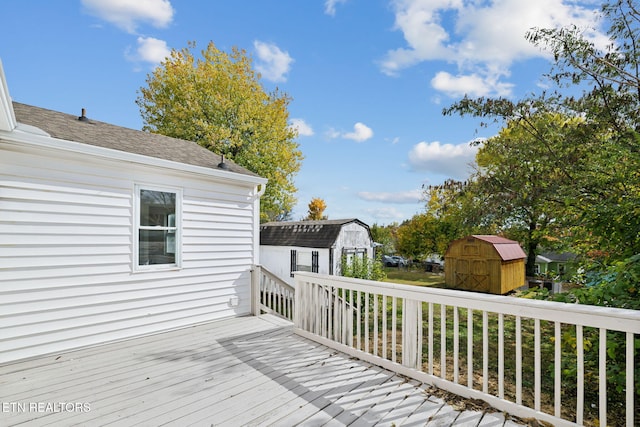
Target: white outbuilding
(315, 246)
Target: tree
(424, 235)
(218, 102)
(597, 156)
(523, 184)
(384, 236)
(316, 209)
(610, 103)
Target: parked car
(393, 261)
(401, 262)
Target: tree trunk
(532, 247)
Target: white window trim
(136, 229)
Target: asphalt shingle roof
(306, 234)
(92, 132)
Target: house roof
(92, 132)
(507, 249)
(306, 234)
(547, 257)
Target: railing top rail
(577, 314)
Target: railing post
(255, 289)
(297, 304)
(410, 310)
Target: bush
(363, 268)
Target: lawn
(414, 277)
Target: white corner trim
(7, 116)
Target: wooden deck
(235, 372)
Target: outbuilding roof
(507, 249)
(306, 234)
(92, 132)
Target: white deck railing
(537, 359)
(271, 294)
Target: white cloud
(332, 134)
(303, 128)
(481, 38)
(330, 6)
(473, 85)
(127, 15)
(272, 62)
(386, 214)
(150, 50)
(361, 132)
(412, 196)
(450, 160)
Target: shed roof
(92, 132)
(507, 249)
(306, 234)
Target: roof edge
(7, 116)
(26, 137)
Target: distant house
(316, 246)
(485, 263)
(108, 233)
(552, 264)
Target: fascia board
(44, 142)
(7, 116)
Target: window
(158, 228)
(304, 261)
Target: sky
(368, 78)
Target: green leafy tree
(599, 156)
(523, 183)
(424, 235)
(384, 236)
(458, 207)
(610, 103)
(218, 102)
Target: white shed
(316, 246)
(108, 233)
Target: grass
(414, 277)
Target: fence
(271, 294)
(566, 364)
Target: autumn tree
(316, 209)
(218, 102)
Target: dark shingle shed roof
(306, 234)
(92, 132)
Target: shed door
(462, 273)
(479, 280)
(472, 275)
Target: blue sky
(368, 78)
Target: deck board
(250, 371)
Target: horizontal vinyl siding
(66, 241)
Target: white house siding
(66, 251)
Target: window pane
(156, 247)
(304, 261)
(157, 208)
